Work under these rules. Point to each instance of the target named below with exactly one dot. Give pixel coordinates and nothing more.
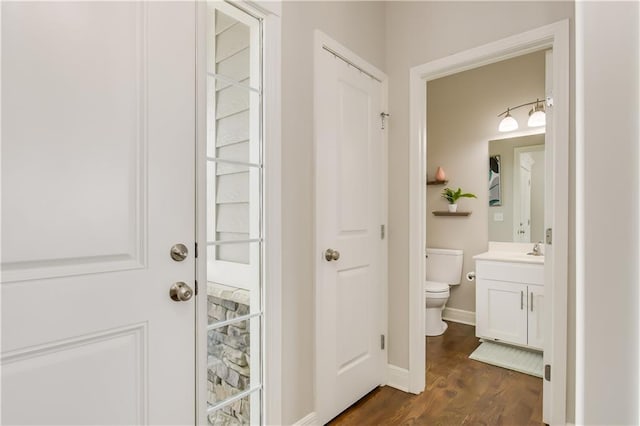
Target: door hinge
(195, 251)
(196, 287)
(382, 232)
(383, 116)
(547, 372)
(382, 341)
(548, 236)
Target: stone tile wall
(228, 354)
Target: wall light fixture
(537, 117)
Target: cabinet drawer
(509, 271)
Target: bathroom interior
(485, 262)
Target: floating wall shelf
(443, 213)
(437, 182)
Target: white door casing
(350, 210)
(97, 185)
(555, 38)
(555, 254)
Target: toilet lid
(435, 287)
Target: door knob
(180, 292)
(331, 254)
(179, 252)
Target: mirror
(516, 189)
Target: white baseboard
(459, 315)
(310, 419)
(398, 378)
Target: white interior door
(97, 185)
(350, 260)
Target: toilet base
(436, 329)
(433, 324)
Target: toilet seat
(435, 287)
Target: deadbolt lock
(179, 252)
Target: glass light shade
(537, 119)
(508, 124)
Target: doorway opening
(555, 38)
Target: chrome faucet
(536, 249)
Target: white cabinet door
(536, 316)
(502, 311)
(97, 185)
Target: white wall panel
(231, 41)
(233, 188)
(233, 129)
(231, 100)
(235, 67)
(233, 218)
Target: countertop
(509, 256)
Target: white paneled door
(350, 245)
(98, 184)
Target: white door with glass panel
(350, 241)
(234, 215)
(98, 148)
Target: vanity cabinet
(510, 302)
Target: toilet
(444, 268)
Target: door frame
(320, 40)
(555, 36)
(270, 13)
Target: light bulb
(508, 124)
(537, 118)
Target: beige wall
(503, 231)
(462, 118)
(360, 27)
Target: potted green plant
(453, 196)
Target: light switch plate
(498, 217)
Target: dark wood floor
(460, 391)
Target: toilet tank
(444, 265)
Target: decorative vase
(453, 208)
(440, 176)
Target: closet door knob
(331, 254)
